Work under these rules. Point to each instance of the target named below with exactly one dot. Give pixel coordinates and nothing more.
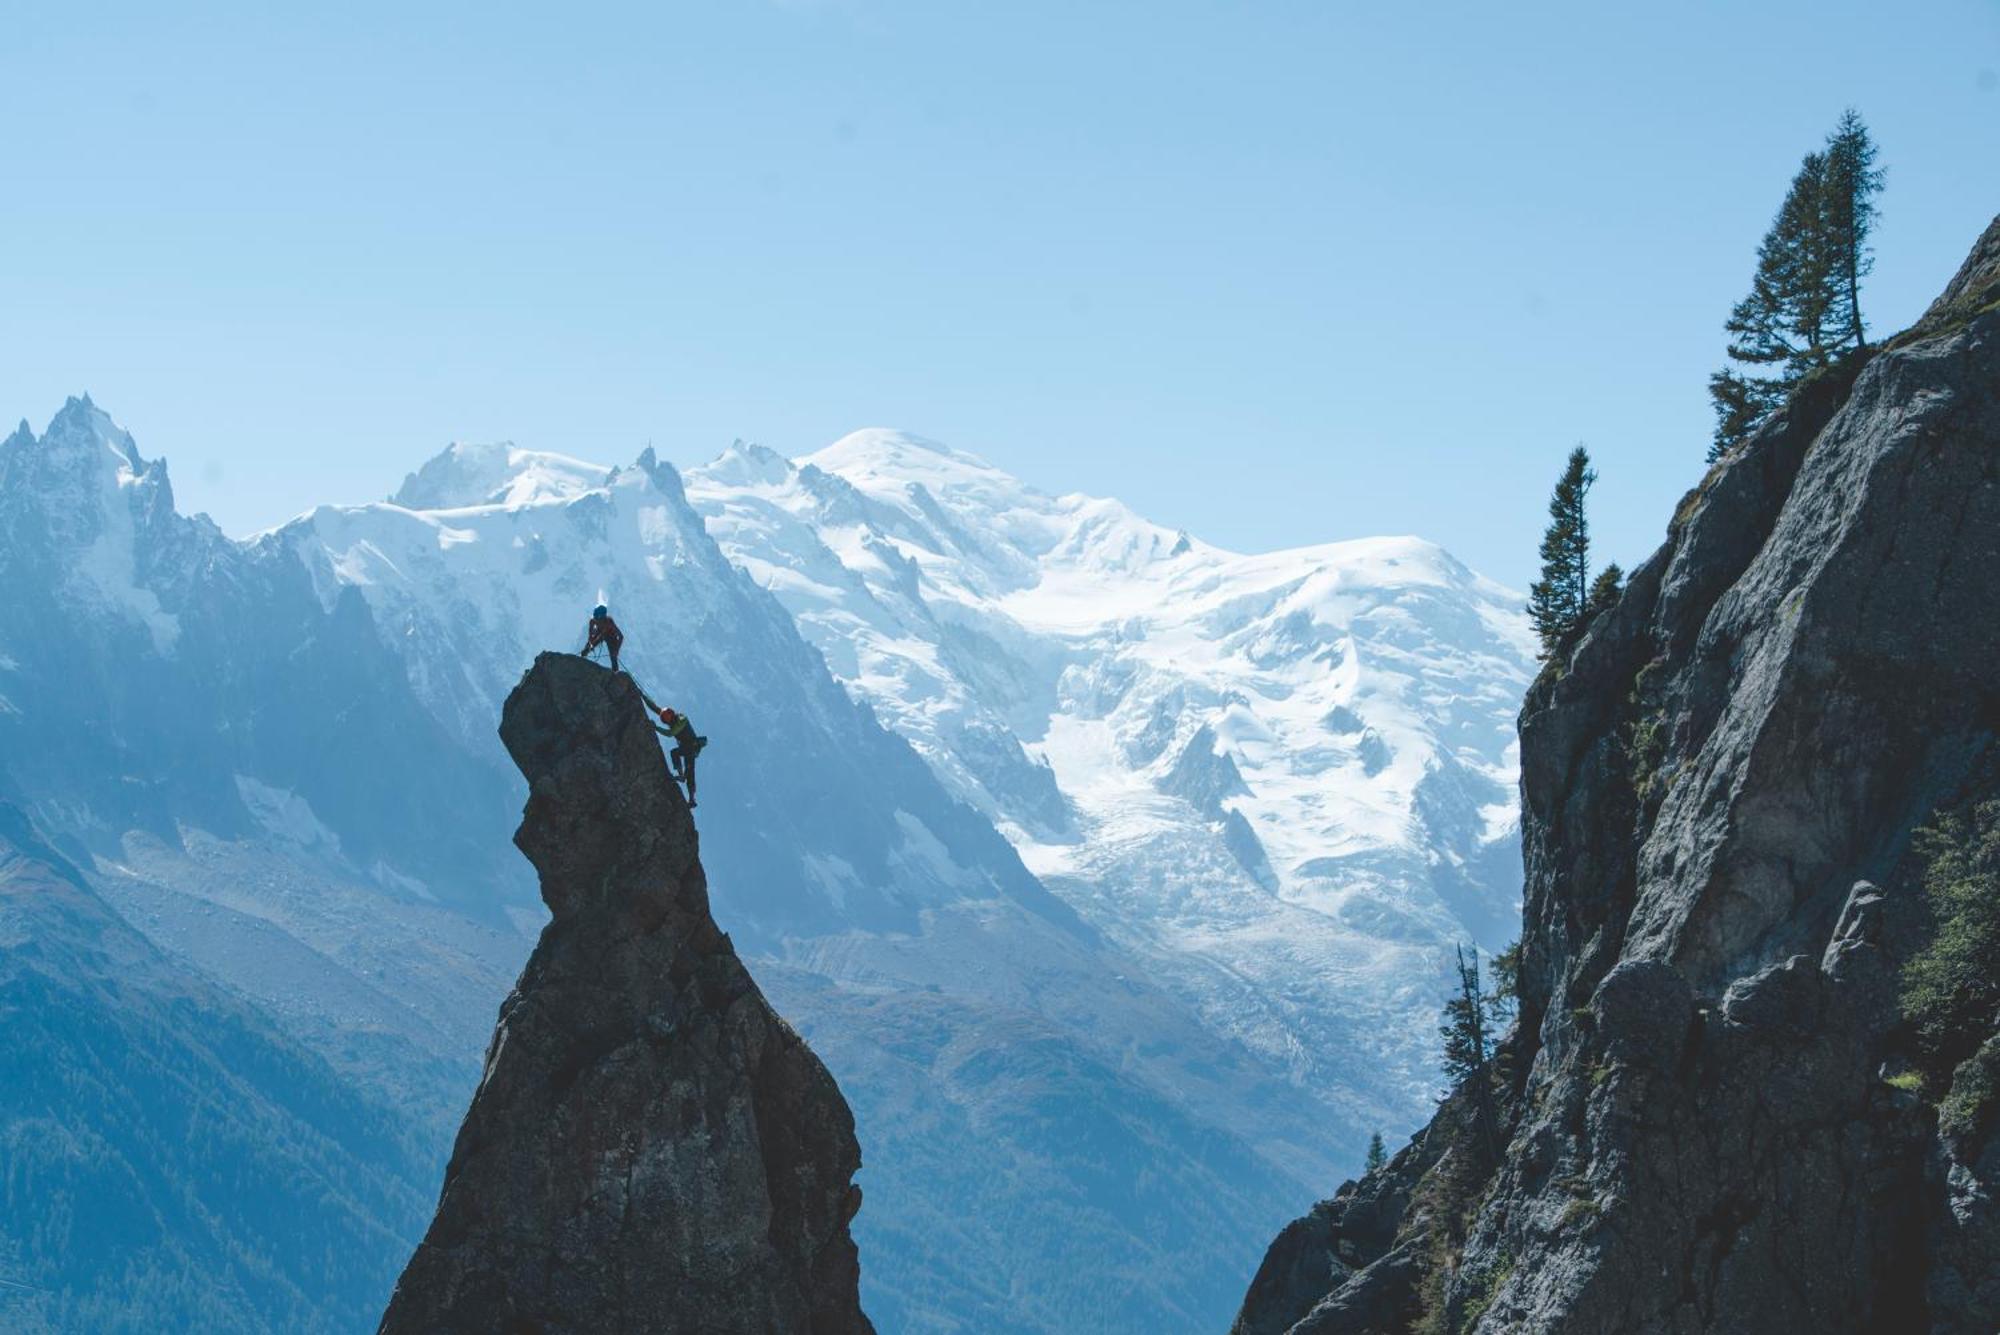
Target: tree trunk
(1854, 294)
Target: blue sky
(1278, 273)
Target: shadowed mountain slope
(168, 1159)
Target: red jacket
(603, 630)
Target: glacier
(1281, 780)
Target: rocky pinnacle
(651, 1147)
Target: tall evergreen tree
(1852, 182)
(1804, 305)
(1468, 1047)
(1378, 1154)
(1784, 320)
(1465, 1022)
(1557, 600)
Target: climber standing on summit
(686, 746)
(603, 630)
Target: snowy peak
(746, 464)
(467, 475)
(1057, 656)
(975, 531)
(666, 479)
(469, 593)
(920, 476)
(83, 425)
(81, 441)
(895, 459)
(1204, 752)
(81, 486)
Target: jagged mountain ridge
(192, 724)
(204, 742)
(1706, 1128)
(249, 681)
(470, 592)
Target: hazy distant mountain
(169, 1160)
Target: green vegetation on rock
(1951, 988)
(1967, 1110)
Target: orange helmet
(668, 716)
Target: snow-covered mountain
(1108, 871)
(186, 727)
(902, 931)
(829, 822)
(1286, 779)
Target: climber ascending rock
(687, 745)
(603, 630)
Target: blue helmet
(600, 611)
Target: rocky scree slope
(651, 1148)
(1721, 781)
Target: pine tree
(1784, 322)
(1804, 306)
(1557, 600)
(1468, 1049)
(1377, 1154)
(1464, 1029)
(1603, 591)
(1740, 404)
(1852, 182)
(1507, 965)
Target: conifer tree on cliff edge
(1557, 601)
(1804, 307)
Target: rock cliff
(651, 1147)
(1707, 1124)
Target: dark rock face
(1720, 784)
(651, 1148)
